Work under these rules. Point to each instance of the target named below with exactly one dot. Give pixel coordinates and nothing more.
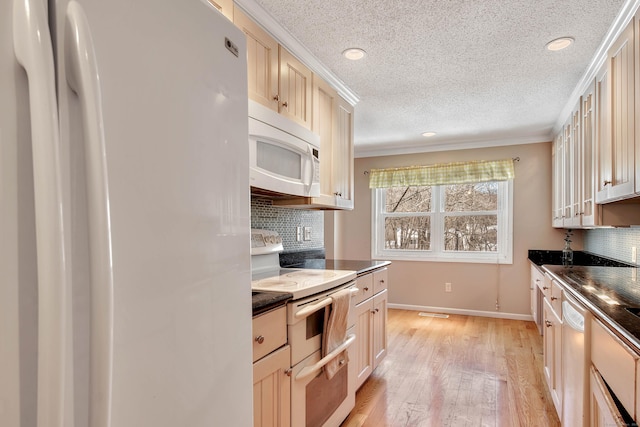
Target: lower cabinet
(603, 411)
(272, 389)
(371, 324)
(271, 370)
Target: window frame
(437, 254)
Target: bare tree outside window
(470, 218)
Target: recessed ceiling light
(559, 44)
(354, 53)
(428, 134)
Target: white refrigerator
(125, 281)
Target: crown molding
(293, 45)
(378, 150)
(622, 19)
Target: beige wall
(475, 287)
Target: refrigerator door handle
(83, 78)
(33, 50)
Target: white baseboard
(495, 314)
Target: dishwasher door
(575, 362)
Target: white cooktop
(301, 282)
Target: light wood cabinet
(557, 179)
(616, 362)
(271, 370)
(617, 137)
(276, 78)
(603, 411)
(587, 209)
(225, 7)
(371, 326)
(294, 89)
(272, 390)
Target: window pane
(482, 196)
(408, 199)
(473, 233)
(407, 233)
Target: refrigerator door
(174, 169)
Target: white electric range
(268, 276)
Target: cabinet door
(603, 411)
(363, 356)
(343, 155)
(621, 89)
(557, 158)
(325, 100)
(224, 6)
(272, 390)
(587, 210)
(379, 343)
(262, 61)
(295, 89)
(603, 135)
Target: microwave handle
(309, 182)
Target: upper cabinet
(617, 142)
(276, 78)
(225, 7)
(280, 81)
(333, 121)
(594, 156)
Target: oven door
(317, 401)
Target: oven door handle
(301, 314)
(315, 368)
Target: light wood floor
(460, 371)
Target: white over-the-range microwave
(284, 156)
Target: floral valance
(443, 174)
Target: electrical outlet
(634, 255)
(307, 233)
(298, 234)
(447, 287)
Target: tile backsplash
(613, 243)
(285, 220)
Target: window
(461, 222)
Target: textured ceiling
(470, 70)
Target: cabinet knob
(276, 98)
(285, 104)
(544, 288)
(554, 298)
(606, 183)
(373, 312)
(548, 324)
(337, 193)
(288, 372)
(377, 310)
(366, 289)
(259, 339)
(381, 280)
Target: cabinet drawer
(616, 362)
(365, 288)
(555, 298)
(269, 332)
(380, 280)
(546, 285)
(537, 277)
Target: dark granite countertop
(541, 257)
(265, 301)
(587, 283)
(360, 267)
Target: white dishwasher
(576, 359)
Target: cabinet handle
(544, 288)
(276, 98)
(377, 310)
(337, 194)
(259, 339)
(285, 104)
(606, 183)
(381, 280)
(554, 298)
(548, 324)
(288, 372)
(366, 289)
